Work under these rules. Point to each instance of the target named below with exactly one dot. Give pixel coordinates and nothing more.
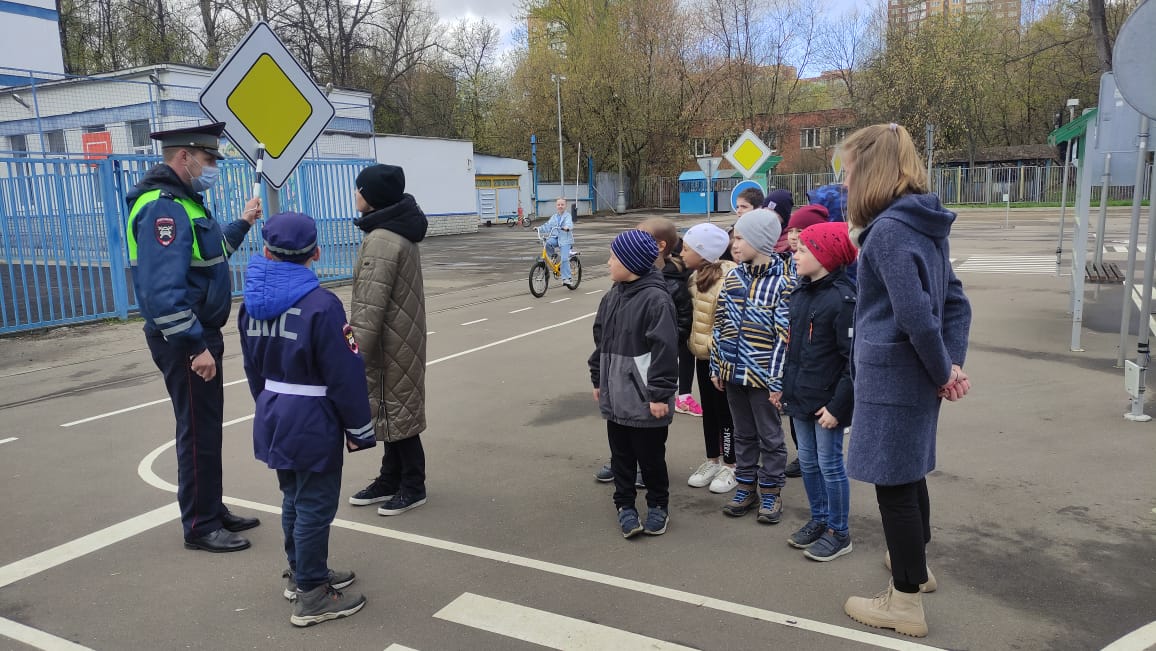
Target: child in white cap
(703, 247)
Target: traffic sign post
(268, 102)
(708, 166)
(748, 153)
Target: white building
(504, 186)
(115, 112)
(30, 34)
(439, 173)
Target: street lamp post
(1068, 158)
(558, 79)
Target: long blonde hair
(885, 166)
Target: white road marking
(9, 440)
(597, 291)
(1138, 640)
(133, 408)
(543, 628)
(431, 332)
(84, 545)
(561, 300)
(36, 638)
(521, 309)
(398, 647)
(508, 339)
(467, 323)
(149, 476)
(1009, 264)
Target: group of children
(763, 315)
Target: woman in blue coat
(911, 329)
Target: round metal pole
(1133, 244)
(1105, 184)
(1142, 356)
(561, 160)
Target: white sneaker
(706, 472)
(725, 481)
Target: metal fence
(657, 192)
(62, 231)
(980, 185)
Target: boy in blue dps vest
(308, 380)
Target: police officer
(180, 269)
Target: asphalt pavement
(1044, 530)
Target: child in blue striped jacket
(750, 347)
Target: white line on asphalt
(521, 309)
(9, 440)
(398, 647)
(133, 408)
(474, 321)
(561, 300)
(508, 339)
(1138, 640)
(94, 541)
(431, 332)
(149, 476)
(36, 638)
(597, 291)
(543, 628)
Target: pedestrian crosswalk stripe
(1008, 264)
(1123, 248)
(543, 628)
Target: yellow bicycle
(546, 265)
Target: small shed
(692, 191)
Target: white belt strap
(295, 389)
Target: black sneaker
(373, 493)
(400, 503)
(807, 534)
(604, 474)
(793, 469)
(337, 579)
(656, 520)
(322, 604)
(829, 547)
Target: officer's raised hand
(204, 365)
(252, 210)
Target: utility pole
(558, 79)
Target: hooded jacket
(912, 321)
(635, 358)
(751, 329)
(817, 373)
(388, 317)
(677, 278)
(178, 296)
(304, 370)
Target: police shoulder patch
(348, 332)
(165, 230)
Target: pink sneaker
(688, 406)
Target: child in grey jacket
(634, 370)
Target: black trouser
(644, 448)
(717, 427)
(686, 364)
(403, 466)
(906, 512)
(198, 407)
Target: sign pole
(1133, 235)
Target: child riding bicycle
(559, 231)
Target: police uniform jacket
(179, 255)
(304, 369)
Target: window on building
(838, 134)
(55, 141)
(701, 147)
(18, 144)
(139, 133)
(809, 138)
(95, 128)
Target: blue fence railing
(62, 227)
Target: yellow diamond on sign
(748, 154)
(265, 85)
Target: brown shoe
(892, 609)
(743, 500)
(770, 505)
(930, 586)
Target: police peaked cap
(291, 236)
(206, 137)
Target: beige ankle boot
(890, 609)
(930, 586)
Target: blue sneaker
(628, 521)
(807, 534)
(656, 520)
(400, 503)
(829, 546)
(604, 474)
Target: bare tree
(1100, 34)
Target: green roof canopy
(1073, 129)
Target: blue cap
(291, 236)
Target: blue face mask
(206, 179)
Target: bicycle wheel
(510, 222)
(575, 272)
(526, 220)
(539, 279)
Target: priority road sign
(837, 165)
(748, 153)
(265, 97)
